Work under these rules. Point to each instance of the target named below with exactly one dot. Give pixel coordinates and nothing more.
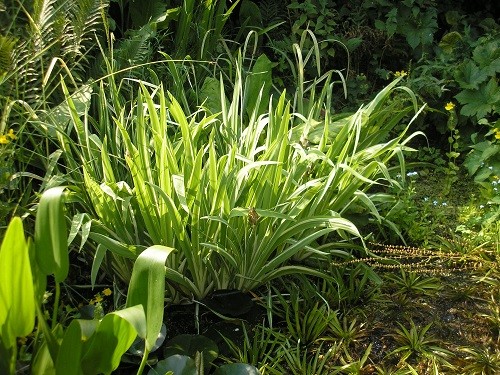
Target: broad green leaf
(149, 12)
(113, 336)
(147, 288)
(258, 86)
(78, 102)
(177, 364)
(51, 235)
(487, 55)
(449, 41)
(480, 102)
(42, 362)
(469, 75)
(51, 342)
(420, 31)
(209, 95)
(392, 21)
(17, 298)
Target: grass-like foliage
(235, 193)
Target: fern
(7, 44)
(43, 17)
(47, 29)
(136, 49)
(85, 16)
(273, 11)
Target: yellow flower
(3, 140)
(449, 106)
(107, 292)
(497, 134)
(400, 73)
(11, 134)
(97, 299)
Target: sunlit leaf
(147, 288)
(51, 235)
(17, 300)
(116, 332)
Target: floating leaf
(189, 345)
(177, 364)
(237, 369)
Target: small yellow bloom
(107, 292)
(97, 299)
(400, 73)
(449, 106)
(497, 134)
(11, 134)
(3, 140)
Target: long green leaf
(147, 288)
(17, 299)
(51, 235)
(70, 352)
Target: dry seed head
(421, 260)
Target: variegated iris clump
(239, 193)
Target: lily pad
(190, 345)
(176, 364)
(237, 369)
(137, 347)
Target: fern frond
(85, 18)
(41, 23)
(7, 44)
(273, 11)
(137, 48)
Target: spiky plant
(416, 342)
(482, 361)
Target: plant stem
(56, 305)
(196, 318)
(13, 359)
(144, 360)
